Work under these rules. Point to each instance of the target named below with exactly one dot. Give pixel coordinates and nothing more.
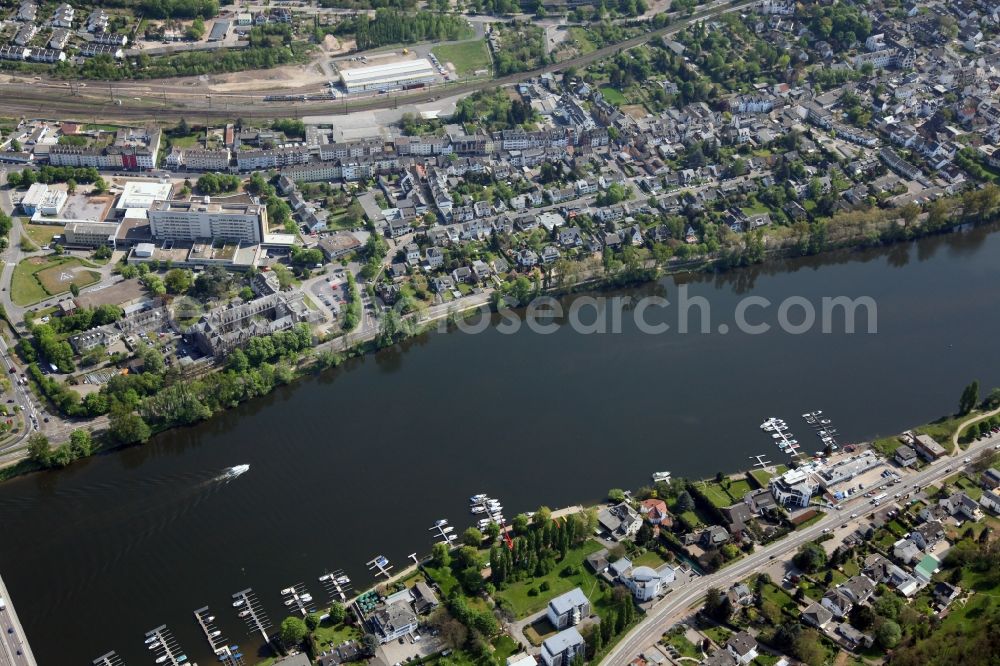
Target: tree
(616, 495)
(887, 634)
(178, 280)
(127, 427)
(337, 612)
(293, 631)
(969, 399)
(71, 186)
(472, 537)
(38, 449)
(808, 647)
(685, 502)
(74, 289)
(81, 443)
(441, 555)
(100, 186)
(810, 557)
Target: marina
(229, 655)
(248, 608)
(779, 432)
(380, 565)
(298, 598)
(443, 531)
(336, 584)
(824, 429)
(164, 647)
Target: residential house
(837, 602)
(568, 609)
(818, 615)
(742, 646)
(961, 506)
(859, 588)
(740, 595)
(905, 551)
(945, 593)
(855, 639)
(647, 583)
(620, 521)
(655, 511)
(563, 648)
(394, 620)
(435, 257)
(905, 456)
(990, 479)
(713, 537)
(412, 251)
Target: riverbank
(332, 353)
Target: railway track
(161, 102)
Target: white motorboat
(324, 577)
(235, 471)
(478, 509)
(306, 598)
(343, 580)
(150, 640)
(238, 603)
(477, 499)
(243, 613)
(289, 602)
(661, 476)
(288, 590)
(154, 645)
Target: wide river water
(361, 460)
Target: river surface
(361, 460)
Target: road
(664, 614)
(14, 648)
(162, 101)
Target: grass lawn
(613, 96)
(189, 141)
(41, 234)
(649, 559)
(504, 647)
(761, 477)
(777, 596)
(467, 57)
(330, 635)
(886, 445)
(737, 489)
(686, 648)
(37, 278)
(523, 604)
(715, 494)
(538, 631)
(851, 568)
(719, 635)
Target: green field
(467, 57)
(582, 40)
(37, 278)
(42, 234)
(613, 96)
(524, 604)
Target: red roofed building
(655, 511)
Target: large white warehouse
(389, 76)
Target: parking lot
(332, 291)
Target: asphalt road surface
(14, 648)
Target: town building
(229, 326)
(204, 218)
(389, 76)
(562, 649)
(568, 609)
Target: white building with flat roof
(202, 218)
(388, 76)
(142, 194)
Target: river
(361, 460)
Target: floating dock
(780, 434)
(380, 564)
(164, 647)
(229, 655)
(824, 429)
(248, 607)
(336, 584)
(443, 531)
(110, 659)
(298, 597)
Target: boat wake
(233, 472)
